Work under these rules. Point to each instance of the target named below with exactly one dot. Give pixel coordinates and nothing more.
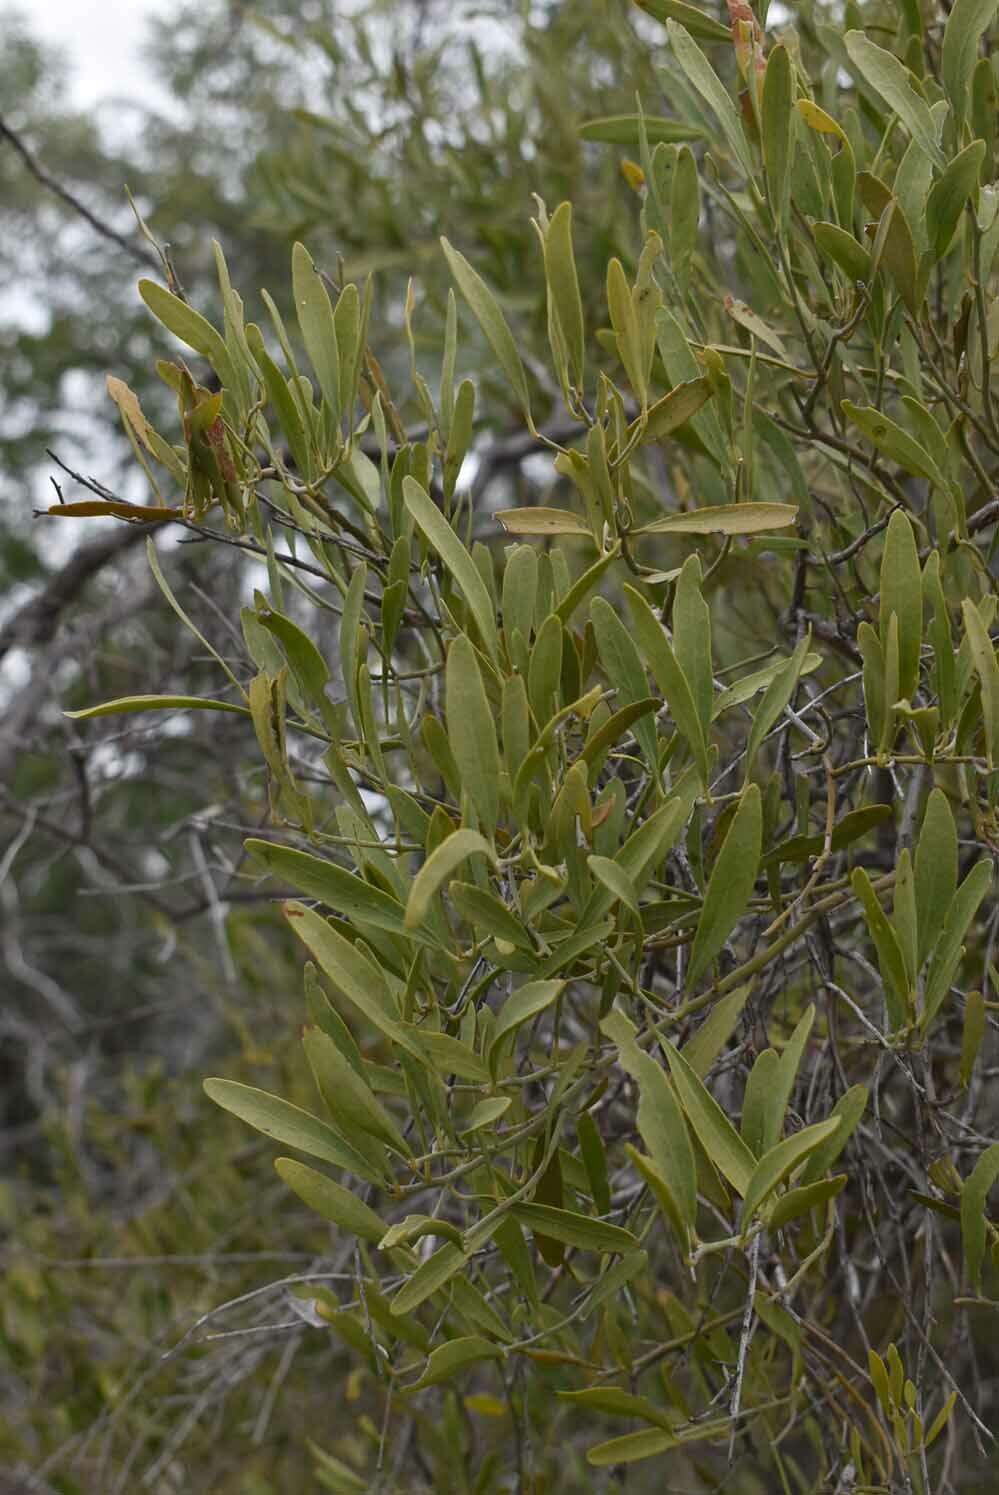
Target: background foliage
(643, 865)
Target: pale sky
(102, 39)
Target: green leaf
(675, 409)
(525, 1004)
(352, 974)
(351, 1101)
(972, 1034)
(894, 442)
(778, 92)
(762, 1113)
(801, 1201)
(716, 1134)
(288, 1124)
(451, 1056)
(624, 669)
(455, 1356)
(563, 287)
(974, 1197)
(951, 191)
(625, 129)
(125, 704)
(331, 1200)
(486, 1112)
(902, 594)
(457, 560)
(849, 1109)
(987, 669)
(190, 327)
(660, 1121)
(489, 317)
(615, 880)
(573, 1229)
(487, 914)
(349, 895)
(429, 1278)
(315, 317)
(724, 519)
(439, 866)
(617, 1403)
(692, 639)
(696, 22)
(896, 85)
(966, 25)
(702, 1050)
(841, 247)
(594, 1155)
(947, 955)
(775, 700)
(541, 521)
(624, 320)
(730, 886)
(782, 1159)
(286, 406)
(891, 961)
(711, 89)
(787, 1073)
(633, 1447)
(655, 646)
(520, 592)
(854, 825)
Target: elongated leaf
(286, 1123)
(450, 1055)
(190, 326)
(625, 129)
(966, 24)
(563, 286)
(126, 704)
(594, 1155)
(692, 639)
(624, 320)
(902, 594)
(452, 1358)
(802, 1200)
(841, 247)
(974, 1198)
(456, 558)
(573, 1229)
(617, 1403)
(893, 81)
(525, 1004)
(849, 1109)
(951, 191)
(429, 1278)
(675, 409)
(854, 825)
(350, 1100)
(488, 915)
(711, 89)
(696, 22)
(781, 1160)
(439, 866)
(894, 442)
(716, 1134)
(891, 961)
(541, 521)
(346, 893)
(658, 652)
(724, 519)
(315, 317)
(486, 1112)
(987, 669)
(624, 668)
(778, 91)
(489, 317)
(352, 974)
(702, 1050)
(660, 1121)
(615, 880)
(760, 1101)
(732, 880)
(776, 698)
(787, 1073)
(631, 1448)
(947, 955)
(331, 1200)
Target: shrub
(643, 865)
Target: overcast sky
(102, 39)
